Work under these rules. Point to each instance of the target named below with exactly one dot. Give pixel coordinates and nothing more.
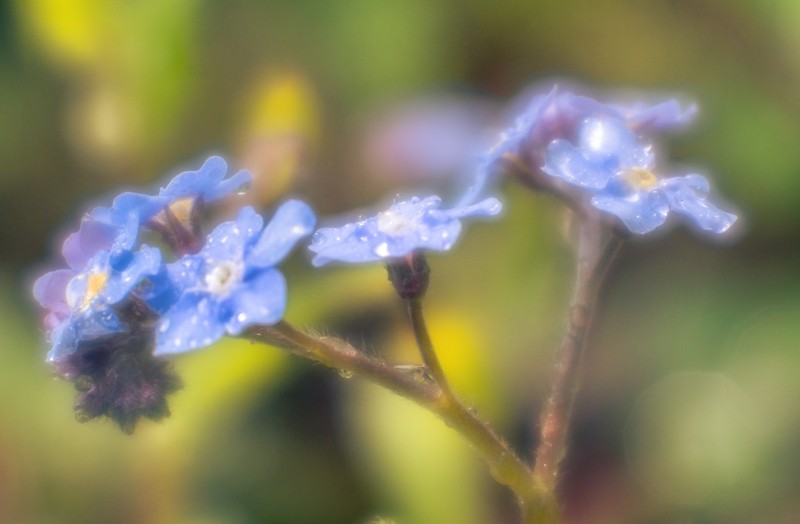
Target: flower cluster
(606, 151)
(120, 304)
(120, 301)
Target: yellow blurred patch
(280, 124)
(73, 32)
(462, 353)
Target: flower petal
(93, 236)
(229, 239)
(641, 212)
(192, 323)
(568, 163)
(196, 182)
(50, 290)
(658, 117)
(261, 299)
(292, 221)
(687, 196)
(235, 183)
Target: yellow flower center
(95, 284)
(181, 209)
(638, 178)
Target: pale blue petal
(196, 182)
(229, 239)
(687, 196)
(292, 221)
(657, 117)
(237, 183)
(192, 323)
(568, 163)
(488, 207)
(261, 299)
(640, 212)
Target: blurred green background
(689, 407)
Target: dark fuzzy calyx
(118, 377)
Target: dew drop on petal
(319, 238)
(242, 189)
(382, 249)
(241, 317)
(361, 233)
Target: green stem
(505, 466)
(425, 346)
(595, 250)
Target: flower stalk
(595, 250)
(505, 466)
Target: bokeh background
(689, 407)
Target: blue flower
(616, 168)
(232, 283)
(207, 183)
(558, 115)
(80, 303)
(405, 227)
(171, 211)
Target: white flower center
(224, 277)
(394, 223)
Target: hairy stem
(596, 248)
(506, 467)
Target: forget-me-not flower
(557, 115)
(172, 211)
(616, 168)
(81, 303)
(232, 283)
(407, 226)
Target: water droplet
(494, 207)
(241, 317)
(241, 190)
(361, 233)
(319, 238)
(345, 373)
(382, 249)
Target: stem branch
(595, 251)
(505, 466)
